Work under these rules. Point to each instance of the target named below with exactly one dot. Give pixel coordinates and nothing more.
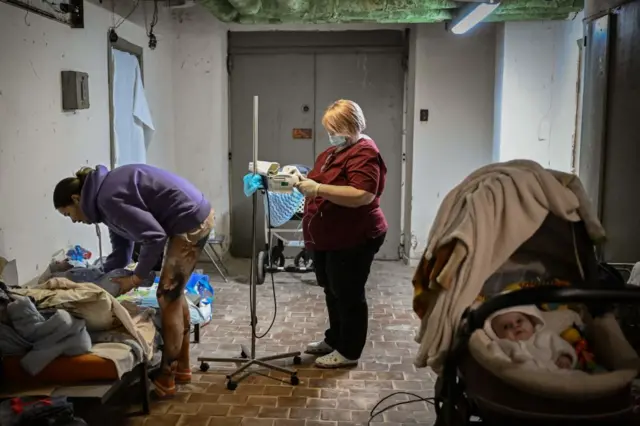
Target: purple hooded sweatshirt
(143, 204)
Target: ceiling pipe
(471, 15)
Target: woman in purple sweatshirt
(161, 211)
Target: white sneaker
(335, 360)
(318, 348)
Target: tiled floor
(323, 398)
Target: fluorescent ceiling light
(472, 16)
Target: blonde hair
(344, 117)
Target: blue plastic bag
(199, 284)
(252, 183)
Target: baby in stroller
(519, 334)
(511, 237)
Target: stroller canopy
(479, 226)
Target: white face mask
(337, 140)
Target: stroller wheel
(277, 255)
(261, 266)
(302, 260)
(453, 414)
(277, 259)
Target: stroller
(279, 210)
(556, 270)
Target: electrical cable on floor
(273, 282)
(417, 397)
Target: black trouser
(343, 275)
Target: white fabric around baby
(610, 348)
(540, 351)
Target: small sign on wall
(302, 133)
(75, 90)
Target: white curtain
(132, 123)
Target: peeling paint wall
(538, 99)
(452, 76)
(201, 98)
(379, 11)
(187, 85)
(39, 144)
(200, 85)
(454, 80)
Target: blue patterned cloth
(281, 206)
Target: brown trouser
(181, 255)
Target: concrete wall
(537, 101)
(39, 144)
(454, 77)
(454, 80)
(498, 91)
(200, 84)
(409, 240)
(187, 86)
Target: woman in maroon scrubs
(344, 227)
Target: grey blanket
(113, 336)
(94, 274)
(40, 339)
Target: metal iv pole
(248, 358)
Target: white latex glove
(308, 187)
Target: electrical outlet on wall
(424, 115)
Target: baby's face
(513, 326)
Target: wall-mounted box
(75, 90)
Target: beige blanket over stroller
(486, 218)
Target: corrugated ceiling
(378, 11)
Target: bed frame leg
(196, 333)
(144, 388)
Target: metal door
(375, 81)
(594, 109)
(284, 83)
(621, 181)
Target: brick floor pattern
(323, 397)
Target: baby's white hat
(529, 310)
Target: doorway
(297, 75)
